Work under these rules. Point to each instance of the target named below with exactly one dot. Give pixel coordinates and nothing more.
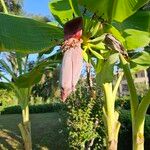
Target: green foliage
(85, 120)
(123, 103)
(61, 10)
(44, 108)
(138, 21)
(135, 30)
(7, 98)
(27, 35)
(110, 10)
(81, 126)
(75, 8)
(13, 6)
(125, 135)
(136, 39)
(142, 58)
(107, 72)
(34, 76)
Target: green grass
(48, 132)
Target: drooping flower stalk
(72, 59)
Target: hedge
(124, 103)
(44, 108)
(125, 134)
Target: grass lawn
(48, 132)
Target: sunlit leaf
(85, 56)
(142, 58)
(136, 67)
(138, 21)
(106, 73)
(61, 10)
(136, 39)
(27, 35)
(96, 54)
(117, 10)
(34, 76)
(135, 30)
(74, 7)
(108, 28)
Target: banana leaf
(26, 35)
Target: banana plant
(124, 30)
(21, 80)
(139, 62)
(108, 28)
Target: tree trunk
(25, 128)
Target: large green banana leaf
(135, 30)
(142, 58)
(107, 70)
(27, 35)
(136, 39)
(34, 76)
(110, 10)
(139, 21)
(61, 10)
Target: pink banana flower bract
(72, 59)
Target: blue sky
(37, 7)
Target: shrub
(85, 120)
(123, 103)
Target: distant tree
(13, 6)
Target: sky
(36, 7)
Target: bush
(55, 107)
(124, 103)
(7, 98)
(85, 120)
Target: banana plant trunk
(138, 136)
(110, 117)
(25, 128)
(138, 110)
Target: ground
(48, 132)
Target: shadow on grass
(9, 140)
(47, 129)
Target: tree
(21, 81)
(13, 6)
